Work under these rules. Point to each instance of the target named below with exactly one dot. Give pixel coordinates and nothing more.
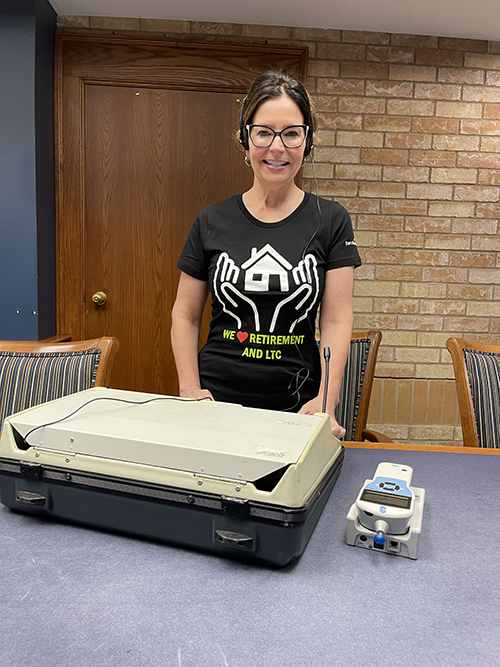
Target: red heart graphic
(241, 336)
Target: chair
(356, 388)
(477, 379)
(35, 372)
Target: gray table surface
(73, 596)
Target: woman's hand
(196, 392)
(316, 405)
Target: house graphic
(261, 266)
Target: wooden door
(141, 152)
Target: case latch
(234, 508)
(230, 539)
(32, 471)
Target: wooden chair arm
(374, 436)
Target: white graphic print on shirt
(298, 298)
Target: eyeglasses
(262, 136)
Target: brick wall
(408, 140)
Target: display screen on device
(382, 498)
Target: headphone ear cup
(309, 145)
(244, 137)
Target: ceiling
(474, 19)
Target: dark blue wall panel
(27, 258)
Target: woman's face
(276, 165)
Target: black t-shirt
(266, 281)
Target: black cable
(326, 354)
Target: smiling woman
(269, 258)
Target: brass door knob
(99, 298)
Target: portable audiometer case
(235, 481)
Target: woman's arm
(185, 332)
(335, 323)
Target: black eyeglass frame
(277, 134)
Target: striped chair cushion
(483, 369)
(352, 383)
(28, 379)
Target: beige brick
(460, 75)
(420, 322)
(440, 175)
(463, 325)
(411, 73)
(488, 211)
(413, 141)
(428, 225)
(477, 160)
(322, 170)
(358, 172)
(374, 321)
(340, 87)
(401, 273)
(432, 158)
(443, 307)
(412, 107)
(451, 209)
(484, 276)
(324, 138)
(384, 156)
(73, 21)
(324, 103)
(439, 58)
(115, 23)
(476, 193)
(269, 31)
(335, 155)
(404, 207)
(460, 44)
(437, 91)
(434, 432)
(444, 274)
(481, 94)
(416, 355)
(382, 190)
(210, 28)
(428, 191)
(400, 240)
(363, 139)
(474, 226)
(425, 257)
(458, 109)
(393, 370)
(423, 291)
(381, 256)
(489, 177)
(364, 37)
(493, 47)
(400, 338)
(491, 145)
(366, 239)
(436, 125)
(467, 292)
(376, 289)
(364, 70)
(331, 51)
(406, 174)
(432, 339)
(389, 54)
(380, 222)
(448, 241)
(362, 304)
(316, 34)
(325, 68)
(492, 79)
(387, 123)
(444, 371)
(486, 243)
(365, 272)
(489, 127)
(422, 41)
(486, 61)
(449, 142)
(337, 188)
(361, 105)
(389, 89)
(477, 259)
(336, 121)
(492, 111)
(360, 205)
